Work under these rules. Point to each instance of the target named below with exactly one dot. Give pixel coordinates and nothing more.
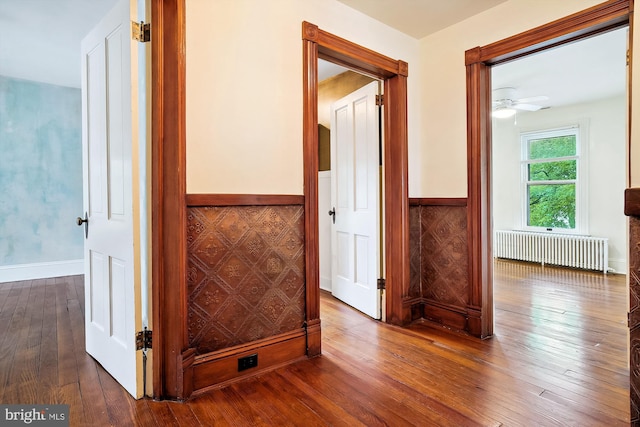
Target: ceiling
(580, 72)
(40, 40)
(419, 18)
(591, 69)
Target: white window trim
(580, 129)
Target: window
(551, 180)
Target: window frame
(581, 185)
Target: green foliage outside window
(552, 205)
(548, 171)
(549, 148)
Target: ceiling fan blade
(527, 107)
(532, 99)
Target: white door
(111, 292)
(355, 196)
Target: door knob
(84, 221)
(332, 212)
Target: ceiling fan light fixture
(503, 113)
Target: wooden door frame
(600, 18)
(172, 359)
(321, 44)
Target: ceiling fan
(505, 103)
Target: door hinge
(382, 283)
(628, 56)
(144, 339)
(140, 31)
(379, 100)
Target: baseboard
(618, 266)
(220, 368)
(445, 314)
(325, 284)
(41, 270)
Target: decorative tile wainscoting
(245, 285)
(439, 285)
(246, 278)
(632, 210)
(245, 274)
(415, 260)
(634, 316)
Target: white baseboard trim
(325, 284)
(41, 270)
(618, 266)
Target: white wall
(244, 88)
(441, 170)
(605, 121)
(324, 229)
(242, 138)
(244, 115)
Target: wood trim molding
(602, 17)
(193, 200)
(218, 369)
(480, 312)
(185, 375)
(632, 202)
(599, 18)
(438, 201)
(248, 347)
(411, 301)
(446, 315)
(320, 44)
(314, 337)
(171, 357)
(310, 160)
(344, 52)
(396, 202)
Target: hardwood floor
(558, 358)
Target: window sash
(552, 182)
(527, 182)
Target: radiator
(585, 252)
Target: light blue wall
(40, 172)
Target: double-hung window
(551, 180)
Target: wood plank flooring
(558, 358)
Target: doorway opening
(590, 22)
(558, 158)
(318, 44)
(350, 186)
